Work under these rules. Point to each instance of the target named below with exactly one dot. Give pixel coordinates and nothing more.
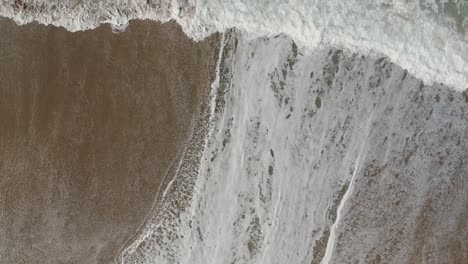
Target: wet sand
(91, 122)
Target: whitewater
(426, 37)
(311, 158)
(331, 123)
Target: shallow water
(321, 157)
(424, 37)
(337, 131)
(91, 123)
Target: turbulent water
(321, 157)
(427, 37)
(339, 131)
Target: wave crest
(427, 37)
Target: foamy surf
(307, 149)
(425, 37)
(303, 88)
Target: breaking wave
(426, 37)
(314, 102)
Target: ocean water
(338, 131)
(320, 158)
(426, 37)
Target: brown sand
(90, 122)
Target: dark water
(90, 123)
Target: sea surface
(337, 131)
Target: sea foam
(426, 37)
(302, 123)
(302, 140)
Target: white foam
(237, 201)
(413, 38)
(413, 34)
(294, 130)
(333, 229)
